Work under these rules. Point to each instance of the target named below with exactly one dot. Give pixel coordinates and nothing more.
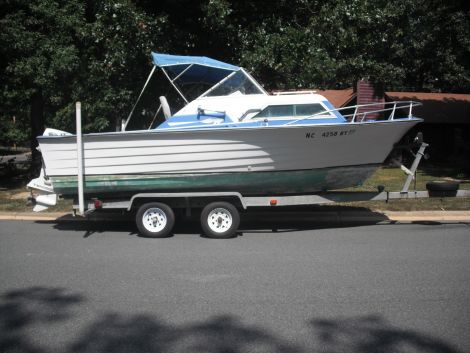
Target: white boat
(233, 136)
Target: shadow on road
(253, 222)
(256, 221)
(24, 308)
(21, 310)
(373, 334)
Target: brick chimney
(368, 92)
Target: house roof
(429, 96)
(338, 97)
(438, 107)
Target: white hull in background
(225, 150)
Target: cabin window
(308, 109)
(276, 111)
(291, 111)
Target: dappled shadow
(370, 334)
(143, 333)
(22, 310)
(446, 171)
(14, 168)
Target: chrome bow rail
(360, 114)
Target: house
(446, 125)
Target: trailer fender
(185, 197)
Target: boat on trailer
(230, 135)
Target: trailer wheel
(220, 220)
(442, 186)
(155, 220)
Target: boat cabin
(217, 94)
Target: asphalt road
(97, 287)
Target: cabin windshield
(236, 83)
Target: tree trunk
(37, 129)
(118, 124)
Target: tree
(406, 44)
(115, 61)
(54, 53)
(39, 54)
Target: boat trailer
(220, 214)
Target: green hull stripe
(251, 183)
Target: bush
(13, 133)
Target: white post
(393, 111)
(81, 203)
(414, 167)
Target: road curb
(342, 216)
(404, 216)
(29, 216)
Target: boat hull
(288, 159)
(254, 183)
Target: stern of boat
(43, 195)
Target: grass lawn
(4, 151)
(393, 179)
(13, 193)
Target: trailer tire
(220, 220)
(442, 186)
(155, 220)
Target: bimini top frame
(182, 70)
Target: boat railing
(359, 115)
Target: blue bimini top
(196, 68)
(164, 60)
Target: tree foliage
(54, 53)
(116, 60)
(38, 46)
(405, 44)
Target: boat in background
(232, 136)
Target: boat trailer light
(273, 202)
(97, 203)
